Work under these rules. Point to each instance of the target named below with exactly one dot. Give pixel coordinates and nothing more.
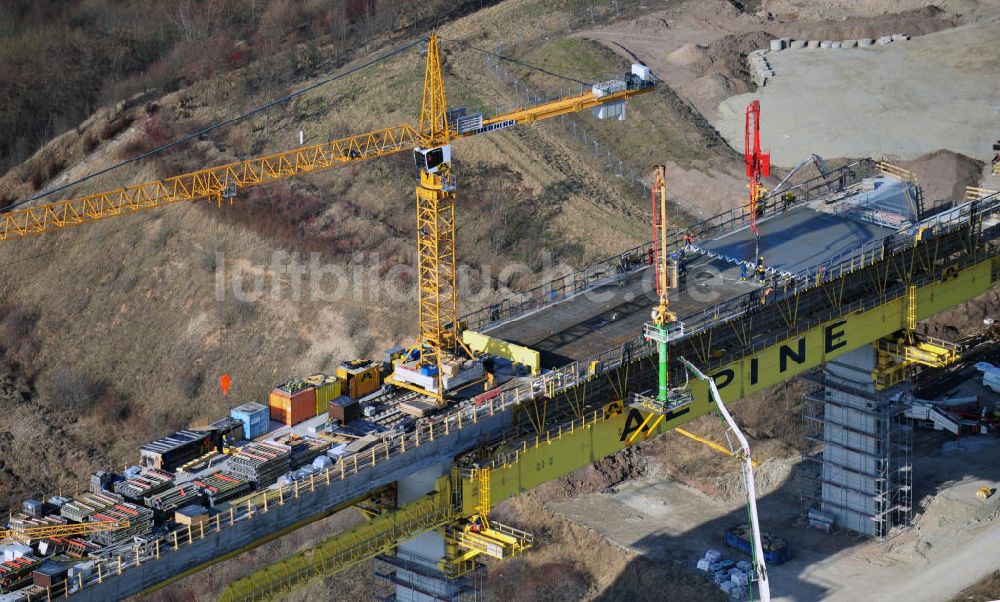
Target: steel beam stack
(261, 462)
(150, 482)
(87, 504)
(175, 497)
(140, 521)
(23, 521)
(15, 574)
(305, 450)
(218, 488)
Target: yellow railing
(973, 193)
(896, 171)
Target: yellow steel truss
(67, 530)
(206, 183)
(434, 109)
(438, 292)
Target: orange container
(292, 408)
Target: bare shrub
(66, 388)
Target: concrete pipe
(865, 42)
(849, 44)
(884, 41)
(813, 43)
(900, 37)
(797, 44)
(834, 44)
(777, 45)
(825, 44)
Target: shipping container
(174, 450)
(328, 389)
(51, 575)
(292, 408)
(227, 429)
(360, 377)
(254, 416)
(776, 551)
(344, 409)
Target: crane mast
(758, 167)
(662, 316)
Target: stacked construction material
(306, 449)
(140, 523)
(23, 521)
(149, 482)
(78, 548)
(16, 574)
(218, 488)
(87, 504)
(101, 481)
(175, 497)
(261, 462)
(170, 452)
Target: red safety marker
(224, 383)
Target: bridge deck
(605, 317)
(791, 241)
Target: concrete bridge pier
(416, 574)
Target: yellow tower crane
(432, 359)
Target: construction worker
(688, 239)
(744, 270)
(761, 270)
(788, 197)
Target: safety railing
(634, 259)
(559, 289)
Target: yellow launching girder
(595, 435)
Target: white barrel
(777, 45)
